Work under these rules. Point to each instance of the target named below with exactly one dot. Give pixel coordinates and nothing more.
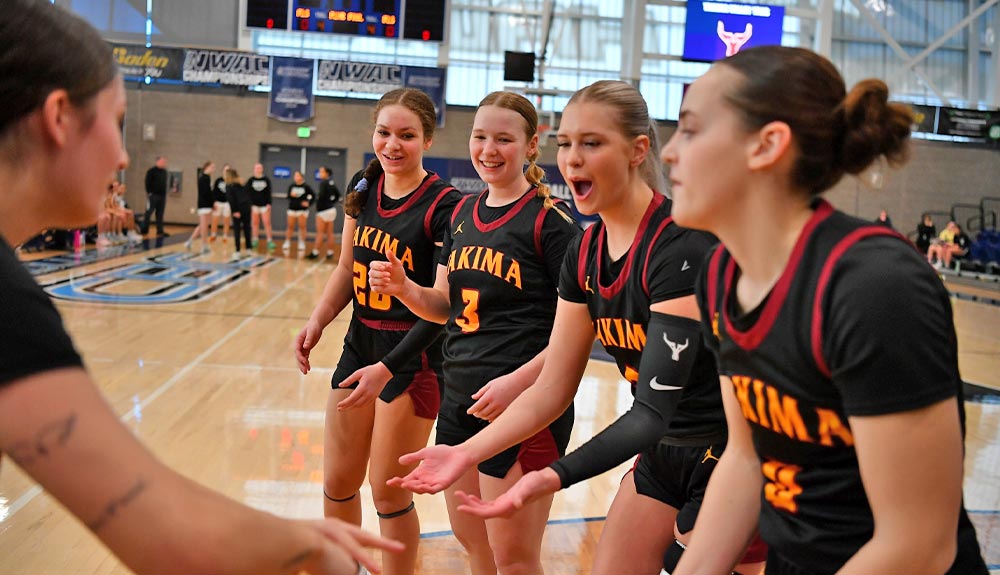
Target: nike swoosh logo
(685, 267)
(661, 387)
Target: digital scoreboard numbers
(422, 20)
(375, 18)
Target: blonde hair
(633, 118)
(518, 103)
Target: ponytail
(535, 174)
(357, 197)
(652, 168)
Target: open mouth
(491, 165)
(392, 158)
(582, 188)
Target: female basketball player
(399, 208)
(221, 206)
(63, 108)
(205, 204)
(845, 418)
(259, 187)
(496, 287)
(629, 281)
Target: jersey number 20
(364, 296)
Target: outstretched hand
(440, 466)
(527, 489)
(351, 539)
(371, 380)
(304, 343)
(387, 277)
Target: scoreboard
(407, 19)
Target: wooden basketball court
(195, 354)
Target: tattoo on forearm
(117, 505)
(50, 437)
(296, 560)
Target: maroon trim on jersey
(506, 217)
(414, 196)
(649, 253)
(387, 324)
(581, 258)
(538, 451)
(429, 216)
(838, 250)
(539, 223)
(751, 338)
(712, 282)
(458, 206)
(616, 286)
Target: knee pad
(395, 514)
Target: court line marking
(33, 492)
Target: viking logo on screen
(168, 278)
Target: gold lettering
(514, 273)
(492, 262)
(785, 416)
(742, 385)
(635, 337)
(830, 425)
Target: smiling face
(398, 140)
(499, 146)
(707, 154)
(258, 170)
(595, 158)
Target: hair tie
(361, 186)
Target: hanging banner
(291, 89)
(137, 62)
(343, 76)
(226, 67)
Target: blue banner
(291, 89)
(371, 78)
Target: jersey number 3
(364, 296)
(469, 319)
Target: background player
(259, 187)
(844, 400)
(397, 206)
(63, 107)
(496, 287)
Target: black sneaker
(314, 255)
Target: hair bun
(873, 127)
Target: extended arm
(336, 295)
(430, 303)
(62, 433)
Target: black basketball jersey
(260, 190)
(409, 227)
(502, 277)
(857, 324)
(662, 264)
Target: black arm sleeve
(421, 335)
(662, 376)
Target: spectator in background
(926, 232)
(156, 195)
(883, 219)
(952, 244)
(206, 203)
(300, 197)
(259, 188)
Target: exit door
(280, 163)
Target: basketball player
(300, 197)
(326, 214)
(205, 205)
(845, 417)
(496, 287)
(629, 282)
(221, 206)
(63, 107)
(398, 207)
(259, 187)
